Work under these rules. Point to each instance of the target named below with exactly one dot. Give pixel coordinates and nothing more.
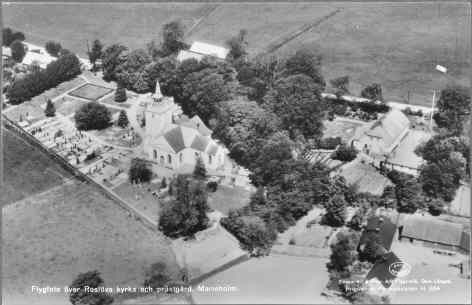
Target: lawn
(346, 129)
(49, 238)
(141, 198)
(90, 92)
(227, 198)
(27, 171)
(24, 110)
(114, 135)
(68, 105)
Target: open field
(275, 279)
(51, 237)
(27, 171)
(90, 92)
(396, 44)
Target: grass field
(68, 105)
(90, 92)
(228, 198)
(50, 238)
(27, 171)
(396, 44)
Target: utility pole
(432, 111)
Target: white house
(198, 50)
(176, 141)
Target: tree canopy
(91, 279)
(18, 50)
(53, 48)
(92, 115)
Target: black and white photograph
(251, 152)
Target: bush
(139, 171)
(330, 143)
(91, 279)
(373, 92)
(163, 183)
(8, 36)
(50, 110)
(345, 153)
(91, 156)
(212, 186)
(63, 69)
(123, 121)
(335, 212)
(92, 115)
(53, 48)
(436, 207)
(120, 94)
(157, 276)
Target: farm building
(198, 50)
(176, 141)
(384, 135)
(434, 232)
(364, 175)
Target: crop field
(27, 171)
(51, 237)
(395, 44)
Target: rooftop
(389, 128)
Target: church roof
(200, 143)
(175, 138)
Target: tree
(237, 46)
(185, 214)
(343, 252)
(120, 94)
(163, 183)
(296, 100)
(436, 207)
(202, 91)
(407, 192)
(112, 58)
(95, 53)
(91, 279)
(341, 84)
(306, 62)
(18, 50)
(53, 48)
(173, 38)
(50, 110)
(373, 92)
(163, 70)
(8, 36)
(370, 250)
(157, 276)
(92, 115)
(356, 221)
(253, 234)
(453, 108)
(123, 121)
(345, 153)
(63, 69)
(200, 171)
(139, 171)
(335, 212)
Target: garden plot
(56, 91)
(90, 92)
(110, 100)
(346, 129)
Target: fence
(11, 125)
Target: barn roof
(209, 49)
(428, 228)
(390, 127)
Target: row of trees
(63, 69)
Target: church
(175, 141)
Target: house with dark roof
(175, 141)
